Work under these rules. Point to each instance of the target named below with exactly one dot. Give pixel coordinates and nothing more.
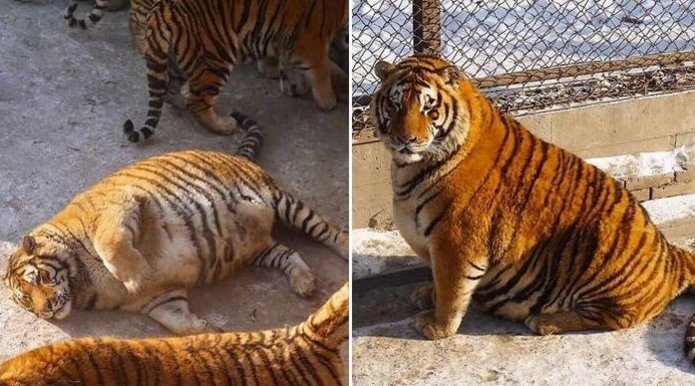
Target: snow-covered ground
(488, 37)
(646, 164)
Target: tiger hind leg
(560, 322)
(204, 86)
(294, 214)
(174, 95)
(170, 309)
(291, 264)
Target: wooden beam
(588, 68)
(427, 30)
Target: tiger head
(38, 276)
(418, 109)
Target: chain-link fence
(533, 54)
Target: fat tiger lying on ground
(306, 354)
(528, 230)
(200, 42)
(139, 238)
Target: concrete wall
(624, 127)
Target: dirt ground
(64, 95)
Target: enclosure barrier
(533, 55)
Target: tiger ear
(452, 76)
(29, 244)
(383, 69)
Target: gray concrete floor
(64, 95)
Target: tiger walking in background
(293, 82)
(199, 42)
(305, 354)
(528, 230)
(138, 239)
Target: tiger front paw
(428, 326)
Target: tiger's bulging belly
(507, 292)
(201, 249)
(185, 252)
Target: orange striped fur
(199, 42)
(137, 240)
(305, 354)
(292, 83)
(527, 229)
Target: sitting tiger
(528, 230)
(305, 354)
(139, 238)
(199, 42)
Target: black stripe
(437, 219)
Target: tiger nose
(407, 141)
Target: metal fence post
(426, 27)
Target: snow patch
(375, 252)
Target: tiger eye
(434, 114)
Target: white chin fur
(64, 311)
(408, 158)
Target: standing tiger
(528, 230)
(139, 238)
(200, 42)
(305, 354)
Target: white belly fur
(404, 219)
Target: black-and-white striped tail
(136, 136)
(96, 14)
(252, 139)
